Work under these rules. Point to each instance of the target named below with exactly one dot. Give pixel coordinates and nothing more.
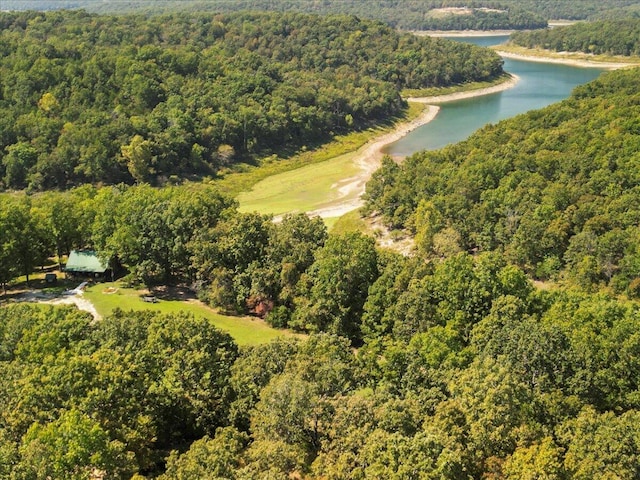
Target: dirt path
(74, 298)
(369, 157)
(79, 301)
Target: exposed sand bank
(462, 33)
(368, 159)
(511, 82)
(567, 60)
(369, 156)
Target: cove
(540, 84)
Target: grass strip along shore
(333, 187)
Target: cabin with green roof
(85, 263)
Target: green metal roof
(85, 261)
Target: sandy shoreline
(369, 156)
(575, 62)
(368, 159)
(511, 82)
(461, 33)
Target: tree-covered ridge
(556, 190)
(573, 9)
(403, 14)
(607, 37)
(88, 98)
(480, 18)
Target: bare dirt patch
(444, 12)
(396, 240)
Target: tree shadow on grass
(172, 293)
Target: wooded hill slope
(403, 14)
(607, 37)
(86, 98)
(556, 190)
(574, 9)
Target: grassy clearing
(108, 296)
(247, 176)
(311, 180)
(245, 330)
(303, 189)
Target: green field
(303, 181)
(301, 190)
(245, 330)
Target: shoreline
(368, 159)
(452, 97)
(369, 156)
(461, 33)
(574, 62)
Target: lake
(540, 84)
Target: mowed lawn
(245, 330)
(304, 189)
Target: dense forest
(507, 347)
(465, 371)
(106, 99)
(449, 364)
(405, 14)
(575, 9)
(556, 190)
(607, 37)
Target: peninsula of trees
(606, 37)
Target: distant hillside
(573, 9)
(557, 190)
(608, 37)
(402, 14)
(411, 14)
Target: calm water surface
(540, 84)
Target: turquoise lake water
(540, 84)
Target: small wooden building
(85, 263)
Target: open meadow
(305, 189)
(106, 297)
